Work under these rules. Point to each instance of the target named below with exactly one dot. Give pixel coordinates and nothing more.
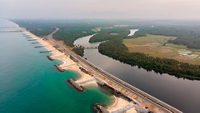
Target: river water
(181, 93)
(29, 83)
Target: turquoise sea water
(29, 83)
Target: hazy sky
(108, 9)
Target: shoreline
(73, 66)
(124, 89)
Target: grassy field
(157, 46)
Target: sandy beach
(85, 79)
(120, 103)
(129, 101)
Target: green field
(158, 46)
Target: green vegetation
(70, 32)
(39, 28)
(186, 35)
(158, 46)
(114, 34)
(79, 50)
(117, 50)
(139, 33)
(152, 39)
(110, 33)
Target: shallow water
(29, 83)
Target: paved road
(123, 85)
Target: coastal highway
(114, 82)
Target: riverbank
(69, 64)
(136, 98)
(161, 86)
(117, 50)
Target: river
(29, 82)
(180, 93)
(132, 32)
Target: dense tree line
(117, 50)
(39, 28)
(70, 32)
(79, 50)
(110, 33)
(186, 35)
